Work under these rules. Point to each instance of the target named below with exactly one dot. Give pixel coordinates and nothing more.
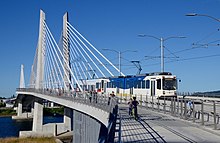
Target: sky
(116, 24)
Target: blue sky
(115, 25)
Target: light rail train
(158, 84)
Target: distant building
(9, 102)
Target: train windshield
(169, 84)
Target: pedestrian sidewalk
(154, 126)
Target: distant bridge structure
(58, 74)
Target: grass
(52, 111)
(7, 112)
(28, 140)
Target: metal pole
(162, 55)
(214, 110)
(193, 111)
(152, 102)
(178, 105)
(119, 64)
(141, 100)
(181, 109)
(158, 104)
(185, 109)
(202, 112)
(174, 107)
(164, 104)
(146, 101)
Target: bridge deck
(153, 126)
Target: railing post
(181, 108)
(185, 109)
(141, 100)
(121, 98)
(202, 112)
(178, 106)
(146, 101)
(193, 112)
(171, 106)
(152, 102)
(164, 105)
(214, 112)
(158, 104)
(174, 106)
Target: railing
(205, 112)
(101, 101)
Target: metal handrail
(79, 97)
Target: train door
(152, 88)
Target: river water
(11, 128)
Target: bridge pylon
(66, 52)
(22, 83)
(40, 52)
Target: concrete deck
(154, 126)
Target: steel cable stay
(76, 48)
(55, 66)
(56, 56)
(71, 27)
(88, 55)
(91, 54)
(76, 64)
(47, 71)
(76, 60)
(63, 58)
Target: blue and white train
(159, 84)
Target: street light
(196, 14)
(161, 46)
(119, 56)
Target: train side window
(135, 84)
(143, 84)
(139, 84)
(147, 84)
(158, 83)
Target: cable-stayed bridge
(60, 74)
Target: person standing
(130, 107)
(135, 104)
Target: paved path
(160, 128)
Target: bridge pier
(38, 117)
(68, 118)
(19, 109)
(20, 114)
(85, 128)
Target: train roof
(160, 73)
(141, 75)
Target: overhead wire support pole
(162, 40)
(205, 15)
